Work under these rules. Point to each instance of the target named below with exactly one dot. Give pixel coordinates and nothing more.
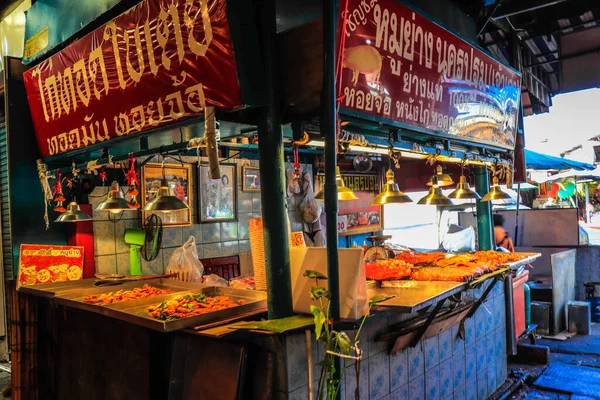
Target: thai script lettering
(184, 28)
(363, 183)
(164, 109)
(427, 77)
(52, 252)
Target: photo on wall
(178, 178)
(218, 197)
(250, 179)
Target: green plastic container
(527, 305)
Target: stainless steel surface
(111, 281)
(531, 257)
(542, 266)
(549, 228)
(171, 284)
(563, 286)
(137, 313)
(72, 294)
(541, 316)
(412, 296)
(50, 289)
(580, 317)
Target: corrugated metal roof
(539, 25)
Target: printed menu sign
(40, 263)
(360, 216)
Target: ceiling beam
(565, 57)
(524, 6)
(488, 17)
(577, 27)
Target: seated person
(502, 238)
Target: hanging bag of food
(185, 263)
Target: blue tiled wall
(213, 239)
(443, 367)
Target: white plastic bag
(215, 280)
(185, 262)
(460, 242)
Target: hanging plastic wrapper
(215, 280)
(185, 263)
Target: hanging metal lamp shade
(463, 191)
(442, 178)
(435, 197)
(115, 203)
(344, 193)
(496, 193)
(165, 201)
(390, 194)
(73, 214)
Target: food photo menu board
(39, 263)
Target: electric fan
(146, 241)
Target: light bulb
(115, 211)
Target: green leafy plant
(337, 343)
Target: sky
(572, 120)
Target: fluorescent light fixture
(376, 149)
(316, 143)
(359, 149)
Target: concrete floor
(579, 350)
(4, 379)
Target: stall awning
(538, 161)
(574, 175)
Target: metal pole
(488, 17)
(272, 170)
(511, 341)
(587, 202)
(485, 233)
(328, 126)
(517, 215)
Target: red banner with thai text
(160, 62)
(403, 67)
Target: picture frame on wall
(250, 179)
(218, 197)
(179, 180)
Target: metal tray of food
(86, 286)
(529, 258)
(76, 298)
(136, 312)
(51, 289)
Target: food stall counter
(413, 296)
(409, 296)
